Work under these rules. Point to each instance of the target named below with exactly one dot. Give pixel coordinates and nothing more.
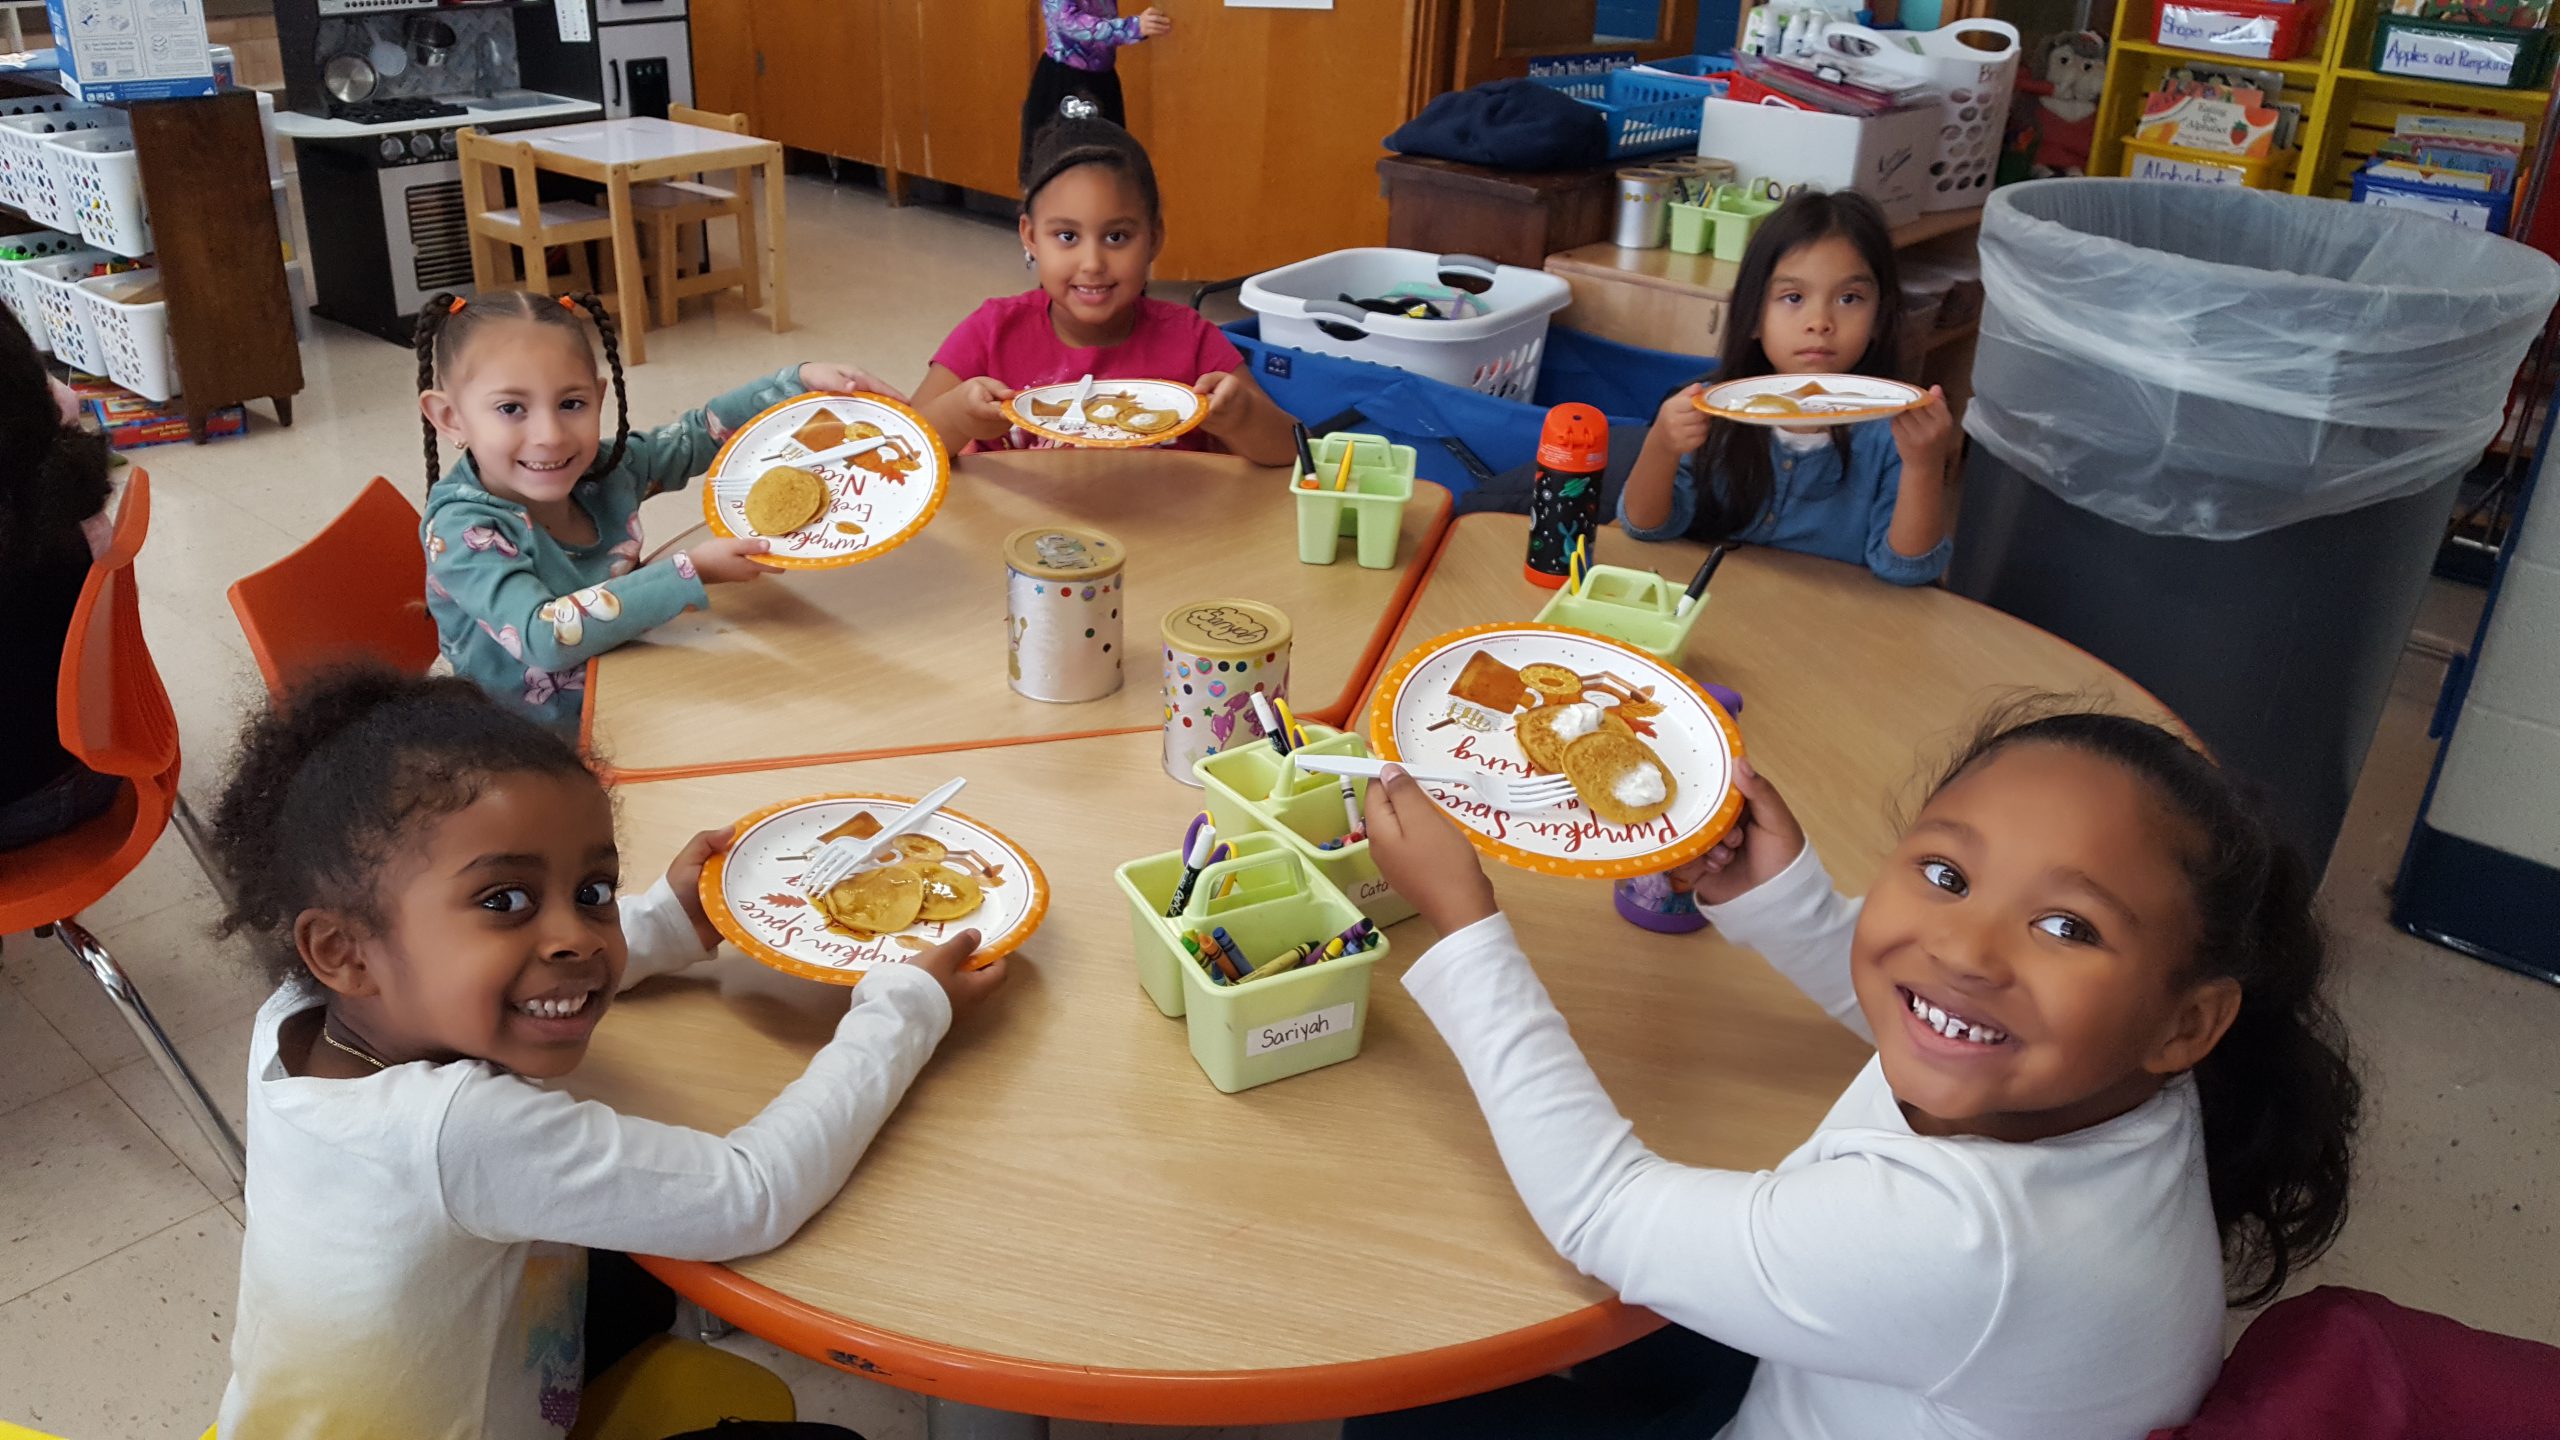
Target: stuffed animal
(2074, 66)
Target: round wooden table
(1065, 1219)
(907, 651)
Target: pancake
(1150, 422)
(1546, 731)
(784, 499)
(1600, 762)
(920, 848)
(878, 902)
(948, 894)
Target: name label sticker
(1299, 1029)
(2193, 27)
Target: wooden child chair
(500, 225)
(667, 210)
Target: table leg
(951, 1420)
(630, 286)
(774, 244)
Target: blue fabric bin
(1626, 383)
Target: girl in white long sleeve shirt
(436, 879)
(2103, 1067)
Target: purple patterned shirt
(1083, 34)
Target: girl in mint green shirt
(533, 537)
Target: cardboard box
(1886, 158)
(131, 49)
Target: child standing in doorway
(1079, 63)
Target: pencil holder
(1733, 217)
(1636, 606)
(1254, 789)
(1253, 1033)
(1149, 885)
(1371, 509)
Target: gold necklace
(343, 1048)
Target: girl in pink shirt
(1091, 227)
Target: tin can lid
(1226, 629)
(1064, 552)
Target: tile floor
(119, 1233)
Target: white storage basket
(21, 299)
(101, 173)
(132, 340)
(26, 181)
(52, 285)
(1495, 353)
(1971, 80)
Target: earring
(1027, 260)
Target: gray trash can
(2218, 433)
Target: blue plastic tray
(1647, 114)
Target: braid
(431, 318)
(593, 305)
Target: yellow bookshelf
(2346, 107)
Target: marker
(1342, 474)
(1698, 582)
(1270, 722)
(1306, 456)
(1204, 840)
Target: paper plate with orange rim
(1460, 700)
(874, 502)
(1809, 400)
(1042, 409)
(752, 890)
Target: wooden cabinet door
(964, 68)
(724, 59)
(820, 76)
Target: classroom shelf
(2443, 92)
(2300, 69)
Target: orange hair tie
(568, 302)
(456, 307)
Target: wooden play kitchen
(1119, 1092)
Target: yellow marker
(1342, 475)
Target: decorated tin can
(1217, 653)
(1064, 587)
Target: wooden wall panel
(971, 71)
(724, 59)
(821, 86)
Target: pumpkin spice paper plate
(1809, 400)
(956, 875)
(1649, 754)
(836, 512)
(1119, 415)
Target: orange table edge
(1334, 712)
(1156, 1397)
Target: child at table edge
(1818, 292)
(430, 878)
(1092, 224)
(533, 537)
(2107, 1086)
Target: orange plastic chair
(356, 590)
(116, 719)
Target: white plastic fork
(1074, 418)
(845, 451)
(1516, 794)
(841, 858)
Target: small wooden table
(907, 652)
(619, 154)
(1065, 1219)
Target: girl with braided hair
(533, 536)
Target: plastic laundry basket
(21, 299)
(26, 180)
(101, 172)
(1495, 353)
(49, 287)
(131, 339)
(2218, 435)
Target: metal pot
(349, 79)
(431, 41)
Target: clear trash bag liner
(2216, 362)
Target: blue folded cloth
(1509, 125)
